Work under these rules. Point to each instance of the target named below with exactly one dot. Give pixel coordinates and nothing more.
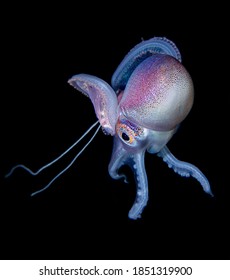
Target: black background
(83, 215)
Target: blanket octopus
(151, 93)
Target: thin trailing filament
(52, 162)
(55, 160)
(68, 166)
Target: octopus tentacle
(142, 186)
(103, 97)
(156, 45)
(119, 157)
(185, 169)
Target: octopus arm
(185, 169)
(141, 199)
(103, 97)
(156, 45)
(121, 157)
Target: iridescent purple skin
(159, 93)
(155, 95)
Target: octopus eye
(126, 133)
(125, 137)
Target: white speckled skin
(159, 94)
